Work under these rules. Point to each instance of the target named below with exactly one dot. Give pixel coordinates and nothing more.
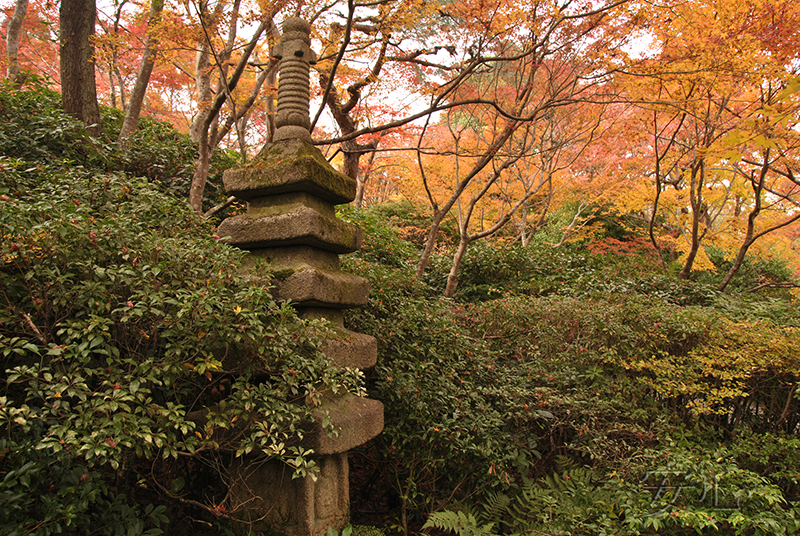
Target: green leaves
(132, 344)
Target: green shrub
(155, 151)
(449, 409)
(411, 220)
(34, 128)
(165, 157)
(754, 271)
(381, 243)
(132, 351)
(677, 491)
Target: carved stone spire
(291, 120)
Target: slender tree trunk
(123, 97)
(523, 229)
(202, 76)
(272, 81)
(361, 181)
(113, 87)
(203, 71)
(351, 149)
(574, 226)
(465, 239)
(452, 277)
(696, 199)
(439, 214)
(748, 241)
(200, 174)
(209, 133)
(241, 136)
(430, 242)
(12, 40)
(113, 66)
(750, 237)
(78, 85)
(143, 78)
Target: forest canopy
(681, 116)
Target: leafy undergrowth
(575, 391)
(137, 360)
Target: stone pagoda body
(290, 223)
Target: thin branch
(345, 41)
(225, 204)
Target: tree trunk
(209, 133)
(123, 98)
(452, 277)
(202, 76)
(758, 189)
(200, 174)
(113, 87)
(12, 40)
(203, 70)
(361, 181)
(78, 85)
(739, 259)
(523, 229)
(430, 243)
(143, 78)
(693, 249)
(696, 199)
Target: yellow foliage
(701, 260)
(727, 367)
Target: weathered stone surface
(300, 226)
(273, 502)
(292, 119)
(336, 316)
(282, 203)
(289, 259)
(351, 349)
(357, 420)
(289, 166)
(316, 288)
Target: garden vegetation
(574, 390)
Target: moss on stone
(290, 165)
(283, 273)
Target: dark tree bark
(78, 86)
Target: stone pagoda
(291, 191)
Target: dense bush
(411, 220)
(164, 156)
(755, 271)
(449, 408)
(34, 128)
(564, 382)
(678, 491)
(136, 359)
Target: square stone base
(271, 501)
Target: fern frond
(495, 507)
(458, 522)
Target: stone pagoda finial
(291, 120)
